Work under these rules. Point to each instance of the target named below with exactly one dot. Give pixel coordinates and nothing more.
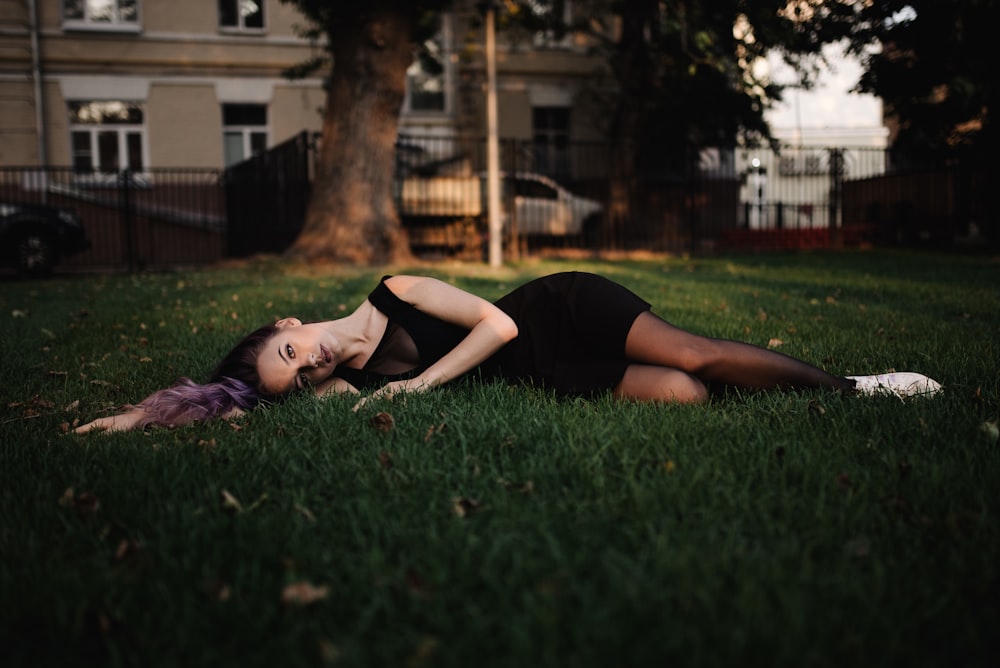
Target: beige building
(108, 84)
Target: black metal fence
(156, 218)
(267, 196)
(552, 197)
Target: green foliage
(684, 70)
(932, 63)
(333, 20)
(487, 525)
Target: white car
(543, 207)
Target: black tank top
(408, 327)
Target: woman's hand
(121, 422)
(389, 390)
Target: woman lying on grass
(574, 333)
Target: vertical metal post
(39, 93)
(125, 204)
(492, 143)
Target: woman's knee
(661, 384)
(690, 390)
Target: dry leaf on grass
(991, 429)
(524, 487)
(432, 430)
(84, 503)
(464, 506)
(303, 593)
(382, 422)
(385, 460)
(230, 502)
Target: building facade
(103, 85)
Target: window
(551, 140)
(107, 136)
(241, 15)
(555, 17)
(101, 14)
(425, 79)
(244, 131)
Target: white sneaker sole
(902, 384)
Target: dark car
(33, 238)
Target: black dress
(571, 336)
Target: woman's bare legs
(673, 363)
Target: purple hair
(234, 384)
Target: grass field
(496, 526)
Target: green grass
(776, 529)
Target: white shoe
(902, 384)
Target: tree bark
(352, 217)
(631, 68)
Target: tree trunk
(632, 71)
(352, 216)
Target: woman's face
(297, 357)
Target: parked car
(33, 238)
(542, 207)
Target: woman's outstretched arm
(489, 330)
(121, 422)
(132, 419)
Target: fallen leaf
(382, 422)
(774, 343)
(18, 313)
(217, 589)
(991, 429)
(524, 487)
(84, 503)
(464, 506)
(306, 513)
(303, 593)
(72, 406)
(229, 502)
(816, 407)
(126, 548)
(432, 430)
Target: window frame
(240, 28)
(551, 143)
(97, 173)
(246, 131)
(444, 39)
(116, 24)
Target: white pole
(492, 143)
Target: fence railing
(553, 197)
(134, 220)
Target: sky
(830, 105)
